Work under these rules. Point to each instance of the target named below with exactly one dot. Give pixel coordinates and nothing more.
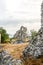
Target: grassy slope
(15, 49)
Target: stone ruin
(21, 34)
(35, 47)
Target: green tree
(4, 35)
(33, 34)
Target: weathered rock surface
(33, 53)
(21, 34)
(35, 48)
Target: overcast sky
(15, 13)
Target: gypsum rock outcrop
(6, 59)
(21, 34)
(35, 47)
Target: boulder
(35, 47)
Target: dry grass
(14, 49)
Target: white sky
(14, 13)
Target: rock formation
(35, 48)
(21, 34)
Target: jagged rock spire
(42, 15)
(35, 47)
